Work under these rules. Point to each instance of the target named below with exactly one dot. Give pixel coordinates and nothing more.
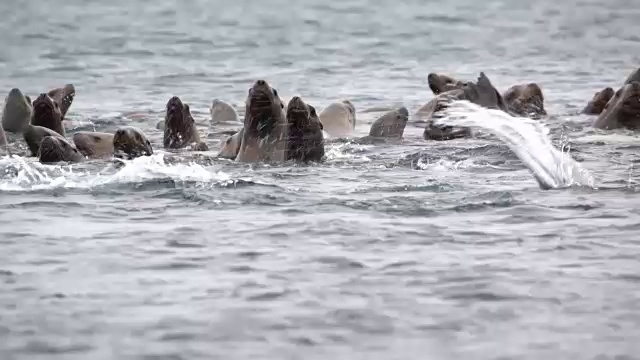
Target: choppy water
(419, 250)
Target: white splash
(27, 174)
(527, 138)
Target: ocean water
(416, 250)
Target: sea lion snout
(261, 83)
(15, 92)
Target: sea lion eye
(275, 92)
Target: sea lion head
(623, 110)
(17, 111)
(130, 142)
(439, 83)
(634, 76)
(180, 127)
(306, 140)
(390, 125)
(599, 101)
(221, 111)
(46, 112)
(55, 149)
(263, 110)
(297, 112)
(525, 100)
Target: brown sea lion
(33, 135)
(17, 111)
(47, 113)
(623, 110)
(55, 149)
(481, 93)
(525, 100)
(599, 101)
(338, 118)
(179, 127)
(231, 146)
(391, 124)
(634, 76)
(130, 142)
(221, 111)
(95, 145)
(439, 83)
(306, 141)
(265, 132)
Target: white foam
(24, 174)
(527, 138)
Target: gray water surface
(418, 250)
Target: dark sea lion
(623, 110)
(391, 124)
(47, 113)
(130, 142)
(439, 83)
(55, 149)
(482, 93)
(17, 111)
(525, 100)
(306, 141)
(339, 118)
(179, 127)
(33, 135)
(3, 137)
(599, 101)
(221, 111)
(634, 76)
(230, 147)
(265, 132)
(96, 145)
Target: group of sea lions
(273, 132)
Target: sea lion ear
(275, 92)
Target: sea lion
(599, 101)
(230, 147)
(221, 111)
(306, 140)
(439, 83)
(33, 135)
(64, 97)
(339, 118)
(179, 127)
(623, 110)
(55, 149)
(265, 126)
(482, 93)
(525, 100)
(96, 145)
(391, 124)
(130, 142)
(634, 76)
(17, 111)
(47, 113)
(3, 137)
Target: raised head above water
(599, 101)
(265, 127)
(525, 100)
(221, 111)
(623, 110)
(64, 97)
(339, 118)
(634, 76)
(130, 142)
(55, 149)
(391, 124)
(98, 145)
(47, 113)
(306, 141)
(17, 111)
(179, 127)
(439, 83)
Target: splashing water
(27, 174)
(527, 138)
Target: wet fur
(525, 100)
(94, 144)
(306, 141)
(598, 102)
(390, 125)
(54, 149)
(130, 142)
(265, 126)
(47, 113)
(17, 111)
(33, 135)
(180, 128)
(623, 110)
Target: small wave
(27, 174)
(527, 138)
